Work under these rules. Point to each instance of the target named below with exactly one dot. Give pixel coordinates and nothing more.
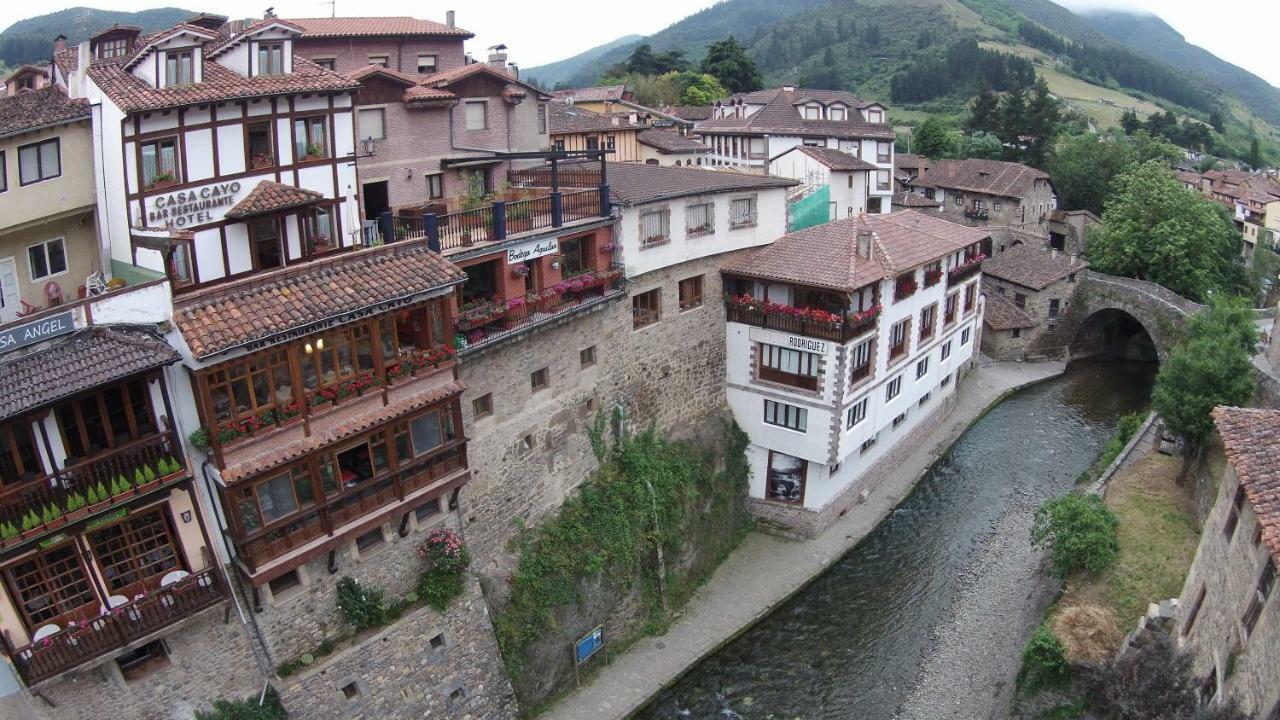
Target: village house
(749, 129)
(1253, 198)
(575, 128)
(1069, 229)
(1028, 287)
(845, 343)
(1228, 614)
(406, 45)
(611, 99)
(663, 146)
(989, 192)
(48, 228)
(26, 77)
(844, 182)
(906, 168)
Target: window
(654, 227)
(19, 460)
(311, 138)
(426, 510)
(436, 642)
(1265, 582)
(139, 663)
(1071, 278)
(996, 204)
(259, 145)
(946, 350)
(318, 234)
(788, 367)
(928, 318)
(783, 415)
(838, 113)
(378, 59)
(699, 219)
(108, 418)
(964, 336)
(959, 200)
(882, 180)
(178, 264)
(784, 481)
(435, 186)
(1233, 518)
(370, 540)
(646, 308)
(1016, 332)
(593, 142)
(922, 367)
(372, 124)
(691, 293)
(875, 115)
(476, 115)
(538, 379)
(482, 406)
(610, 142)
(924, 399)
(558, 144)
(4, 173)
(892, 389)
(113, 48)
(159, 162)
(542, 120)
(1194, 612)
(901, 418)
(426, 64)
(326, 63)
(868, 444)
(855, 414)
(898, 336)
(742, 212)
(264, 238)
(851, 147)
(47, 259)
(135, 550)
(271, 58)
(860, 361)
(283, 585)
(50, 585)
(812, 112)
(949, 311)
(945, 381)
(1018, 299)
(351, 690)
(430, 431)
(179, 67)
(39, 161)
(756, 147)
(587, 357)
(970, 296)
(884, 152)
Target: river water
(852, 643)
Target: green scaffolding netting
(810, 211)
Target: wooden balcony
(118, 627)
(971, 267)
(94, 484)
(489, 323)
(841, 331)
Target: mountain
(31, 40)
(1152, 36)
(551, 74)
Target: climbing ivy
(648, 494)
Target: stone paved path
(764, 571)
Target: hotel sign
(786, 340)
(35, 331)
(533, 250)
(192, 207)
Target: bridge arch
(1116, 334)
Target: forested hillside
(31, 40)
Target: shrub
(1044, 662)
(1080, 531)
(446, 558)
(361, 607)
(247, 709)
(1153, 682)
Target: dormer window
(839, 112)
(875, 115)
(179, 67)
(271, 58)
(113, 48)
(812, 112)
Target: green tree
(1216, 119)
(932, 139)
(984, 113)
(1080, 532)
(1044, 112)
(982, 145)
(699, 88)
(1084, 166)
(1155, 229)
(1129, 122)
(728, 62)
(1013, 115)
(1255, 154)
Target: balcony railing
(965, 271)
(975, 214)
(115, 628)
(904, 288)
(89, 486)
(800, 321)
(487, 322)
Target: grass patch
(1158, 535)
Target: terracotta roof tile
(374, 26)
(826, 255)
(599, 93)
(1251, 437)
(77, 362)
(562, 118)
(912, 200)
(262, 307)
(686, 112)
(270, 196)
(1002, 314)
(670, 141)
(834, 159)
(637, 184)
(1031, 267)
(910, 161)
(34, 109)
(994, 177)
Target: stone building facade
(1029, 288)
(1229, 613)
(989, 192)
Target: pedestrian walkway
(765, 570)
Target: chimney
(515, 70)
(59, 44)
(864, 244)
(448, 19)
(498, 56)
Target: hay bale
(1088, 633)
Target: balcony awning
(469, 162)
(78, 362)
(269, 196)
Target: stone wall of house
(1007, 345)
(427, 664)
(1227, 568)
(1273, 345)
(209, 658)
(1001, 344)
(531, 450)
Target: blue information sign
(588, 645)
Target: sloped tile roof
(780, 116)
(1251, 437)
(447, 77)
(34, 109)
(669, 141)
(993, 177)
(686, 112)
(563, 118)
(910, 162)
(265, 306)
(420, 93)
(1002, 314)
(78, 362)
(374, 26)
(912, 200)
(1031, 267)
(826, 255)
(270, 196)
(637, 183)
(837, 160)
(599, 93)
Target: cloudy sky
(1240, 31)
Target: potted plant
(52, 517)
(199, 439)
(120, 486)
(465, 237)
(9, 532)
(288, 414)
(160, 180)
(520, 270)
(263, 159)
(97, 497)
(77, 506)
(313, 152)
(31, 524)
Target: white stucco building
(851, 180)
(841, 340)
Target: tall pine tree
(728, 62)
(984, 113)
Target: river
(855, 642)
